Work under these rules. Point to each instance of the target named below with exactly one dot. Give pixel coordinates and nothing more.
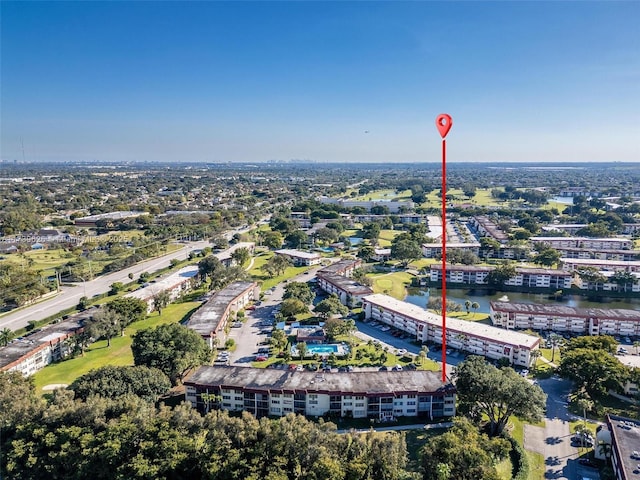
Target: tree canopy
(497, 393)
(171, 348)
(300, 291)
(113, 381)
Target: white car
(401, 351)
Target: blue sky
(255, 81)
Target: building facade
(525, 277)
(300, 258)
(623, 436)
(472, 337)
(376, 395)
(560, 318)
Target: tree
(330, 306)
(276, 265)
(335, 327)
(6, 335)
(279, 339)
(467, 305)
(596, 342)
(497, 393)
(129, 310)
(547, 257)
(423, 355)
(161, 300)
(115, 288)
(624, 280)
(291, 307)
(554, 340)
(241, 256)
(594, 371)
(209, 266)
(106, 324)
(300, 291)
(499, 275)
(19, 402)
(435, 303)
(114, 381)
(296, 239)
(406, 251)
(535, 355)
(172, 348)
(463, 453)
(366, 252)
(327, 235)
(371, 231)
(302, 349)
(272, 240)
(83, 303)
(475, 306)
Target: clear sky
(325, 81)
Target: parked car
(237, 325)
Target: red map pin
(444, 122)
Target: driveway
(553, 440)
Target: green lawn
(393, 284)
(547, 354)
(386, 236)
(119, 353)
(536, 460)
(387, 194)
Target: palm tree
(554, 339)
(302, 349)
(636, 344)
(475, 306)
(605, 450)
(585, 403)
(467, 305)
(6, 335)
(424, 352)
(535, 355)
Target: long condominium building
(211, 318)
(560, 318)
(524, 277)
(336, 279)
(598, 244)
(378, 395)
(473, 337)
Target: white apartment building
(377, 395)
(300, 258)
(598, 244)
(434, 250)
(575, 264)
(174, 284)
(473, 337)
(348, 291)
(560, 318)
(525, 277)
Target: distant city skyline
(325, 81)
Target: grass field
(536, 460)
(386, 236)
(389, 194)
(119, 353)
(265, 282)
(394, 284)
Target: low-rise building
(434, 250)
(33, 352)
(561, 318)
(525, 277)
(212, 317)
(348, 290)
(376, 395)
(381, 254)
(596, 244)
(622, 435)
(488, 228)
(575, 264)
(473, 337)
(175, 284)
(93, 220)
(344, 267)
(300, 258)
(607, 284)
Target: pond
(420, 297)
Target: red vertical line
(444, 260)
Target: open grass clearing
(394, 284)
(119, 353)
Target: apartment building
(472, 337)
(300, 258)
(596, 244)
(348, 291)
(434, 250)
(561, 318)
(174, 284)
(35, 351)
(525, 277)
(575, 264)
(212, 317)
(344, 268)
(376, 395)
(488, 228)
(623, 436)
(609, 285)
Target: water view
(420, 297)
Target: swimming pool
(322, 349)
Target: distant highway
(70, 295)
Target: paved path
(417, 426)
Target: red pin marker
(444, 122)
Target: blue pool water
(322, 348)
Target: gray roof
(274, 380)
(206, 319)
(347, 284)
(562, 310)
(340, 266)
(626, 432)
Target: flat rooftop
(349, 285)
(23, 346)
(595, 262)
(207, 318)
(166, 283)
(339, 266)
(563, 310)
(274, 380)
(477, 329)
(626, 435)
(297, 253)
(453, 245)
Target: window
(226, 397)
(313, 402)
